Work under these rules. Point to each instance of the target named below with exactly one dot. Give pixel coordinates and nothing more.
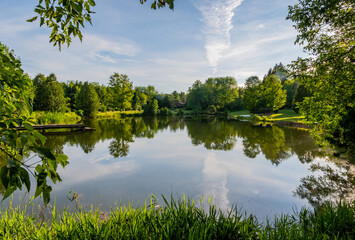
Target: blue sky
(164, 48)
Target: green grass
(55, 118)
(182, 219)
(286, 115)
(117, 114)
(238, 113)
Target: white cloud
(215, 181)
(217, 17)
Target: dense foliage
(49, 94)
(264, 96)
(15, 145)
(326, 29)
(219, 92)
(87, 100)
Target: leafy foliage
(49, 94)
(220, 92)
(326, 28)
(67, 17)
(121, 92)
(265, 96)
(15, 111)
(87, 100)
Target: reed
(177, 219)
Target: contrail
(217, 18)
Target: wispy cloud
(217, 18)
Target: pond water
(263, 170)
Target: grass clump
(56, 117)
(182, 219)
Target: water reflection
(327, 184)
(276, 144)
(229, 160)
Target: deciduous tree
(326, 29)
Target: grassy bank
(118, 114)
(286, 115)
(55, 118)
(181, 219)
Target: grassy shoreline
(181, 219)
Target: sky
(167, 49)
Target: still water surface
(263, 170)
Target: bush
(164, 112)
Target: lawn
(287, 115)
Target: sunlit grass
(118, 114)
(55, 117)
(286, 115)
(181, 219)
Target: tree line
(88, 98)
(215, 94)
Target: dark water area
(263, 170)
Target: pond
(262, 170)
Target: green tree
(139, 99)
(15, 145)
(273, 96)
(267, 95)
(71, 88)
(151, 109)
(290, 86)
(49, 94)
(326, 29)
(220, 92)
(300, 94)
(121, 92)
(87, 100)
(252, 94)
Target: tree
(49, 94)
(15, 145)
(273, 96)
(300, 94)
(65, 18)
(326, 29)
(122, 92)
(71, 88)
(290, 86)
(220, 92)
(139, 98)
(151, 109)
(279, 70)
(264, 96)
(87, 100)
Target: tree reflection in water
(275, 143)
(329, 184)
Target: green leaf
(62, 159)
(46, 152)
(32, 19)
(92, 2)
(28, 126)
(3, 175)
(3, 125)
(8, 192)
(25, 178)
